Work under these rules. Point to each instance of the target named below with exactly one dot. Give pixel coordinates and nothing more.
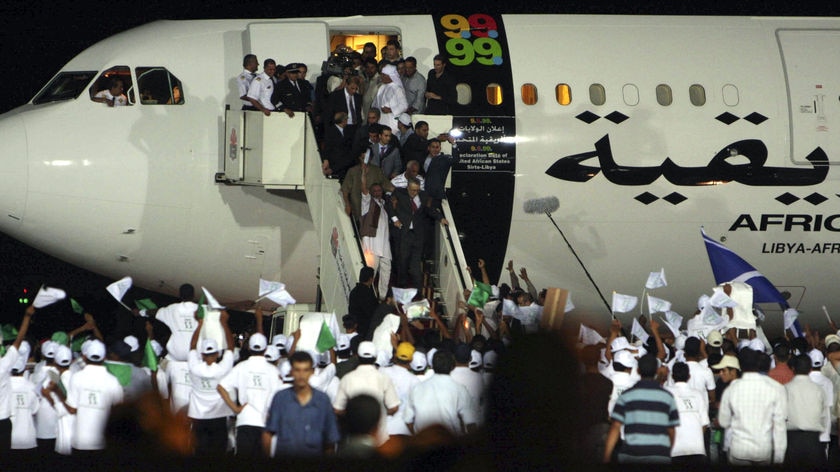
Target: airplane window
(64, 86)
(730, 95)
(630, 93)
(464, 93)
(597, 94)
(158, 86)
(529, 94)
(697, 95)
(563, 94)
(663, 95)
(494, 94)
(113, 87)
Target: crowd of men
(726, 397)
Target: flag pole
(574, 253)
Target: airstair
(280, 153)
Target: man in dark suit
(437, 167)
(348, 100)
(413, 217)
(292, 92)
(337, 158)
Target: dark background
(37, 38)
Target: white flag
(623, 303)
(656, 305)
(790, 316)
(48, 296)
(404, 296)
(674, 329)
(639, 332)
(589, 337)
(710, 316)
(119, 288)
(720, 299)
(211, 300)
(281, 297)
(656, 280)
(674, 318)
(509, 308)
(569, 305)
(268, 286)
(702, 301)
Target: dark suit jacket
(337, 150)
(415, 149)
(336, 102)
(437, 173)
(422, 218)
(290, 96)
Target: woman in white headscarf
(390, 98)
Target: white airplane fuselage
(131, 190)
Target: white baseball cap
(209, 346)
(257, 342)
(367, 350)
(95, 350)
(418, 362)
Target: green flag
(480, 294)
(119, 370)
(9, 332)
(61, 338)
(149, 358)
(76, 345)
(326, 341)
(76, 307)
(145, 304)
(200, 313)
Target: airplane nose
(13, 172)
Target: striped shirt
(647, 411)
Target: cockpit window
(64, 86)
(113, 87)
(158, 86)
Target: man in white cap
(91, 394)
(755, 409)
(689, 448)
(24, 406)
(256, 381)
(7, 362)
(207, 410)
(390, 98)
(817, 362)
(368, 380)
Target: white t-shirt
(694, 415)
(205, 401)
(472, 381)
(255, 381)
(366, 379)
(180, 319)
(6, 363)
(66, 421)
(92, 391)
(440, 400)
(404, 382)
(25, 403)
(178, 375)
(46, 419)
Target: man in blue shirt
(301, 418)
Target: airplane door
(811, 60)
(299, 41)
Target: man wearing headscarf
(390, 98)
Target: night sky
(39, 37)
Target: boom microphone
(548, 205)
(541, 205)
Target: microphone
(541, 205)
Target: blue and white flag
(730, 267)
